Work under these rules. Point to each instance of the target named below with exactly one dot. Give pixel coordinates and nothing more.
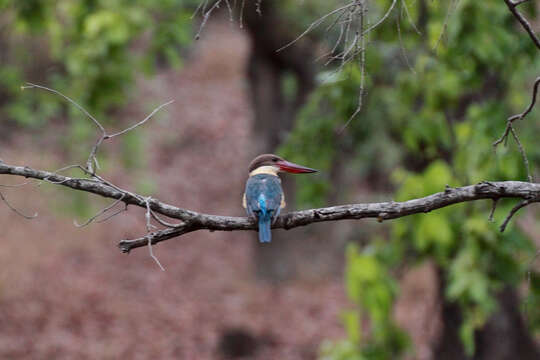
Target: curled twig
(509, 127)
(519, 116)
(29, 217)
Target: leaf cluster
(91, 49)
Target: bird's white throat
(271, 170)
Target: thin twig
(140, 122)
(149, 228)
(514, 210)
(362, 69)
(404, 6)
(402, 47)
(16, 185)
(231, 18)
(165, 223)
(509, 127)
(151, 252)
(521, 115)
(69, 167)
(381, 20)
(451, 8)
(201, 5)
(73, 102)
(242, 14)
(92, 163)
(531, 104)
(493, 207)
(316, 23)
(99, 213)
(522, 20)
(112, 215)
(206, 16)
(352, 38)
(522, 152)
(29, 217)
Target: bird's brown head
(278, 162)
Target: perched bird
(263, 197)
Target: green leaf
(351, 320)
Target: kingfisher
(263, 198)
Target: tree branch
(512, 6)
(92, 163)
(522, 20)
(519, 116)
(98, 187)
(193, 221)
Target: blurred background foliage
(435, 101)
(91, 49)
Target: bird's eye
(274, 159)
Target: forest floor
(68, 293)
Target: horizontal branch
(193, 221)
(97, 187)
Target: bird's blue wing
(263, 193)
(263, 200)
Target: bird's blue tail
(265, 236)
(265, 220)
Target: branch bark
(193, 221)
(522, 20)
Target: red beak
(294, 168)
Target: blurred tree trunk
(268, 70)
(275, 108)
(504, 336)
